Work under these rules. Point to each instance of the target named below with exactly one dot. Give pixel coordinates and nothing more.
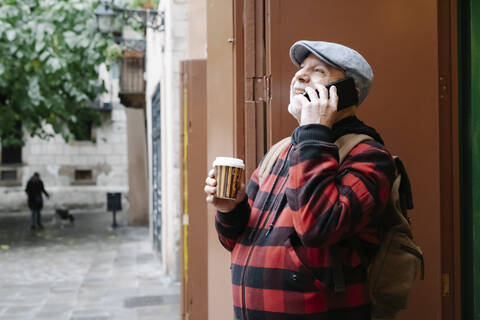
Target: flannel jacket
(282, 235)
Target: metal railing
(132, 79)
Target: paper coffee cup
(228, 172)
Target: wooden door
(411, 105)
(193, 158)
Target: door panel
(194, 161)
(399, 40)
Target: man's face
(314, 71)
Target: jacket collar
(353, 125)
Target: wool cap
(352, 63)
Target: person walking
(290, 233)
(35, 188)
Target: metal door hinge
(257, 89)
(445, 284)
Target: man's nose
(303, 76)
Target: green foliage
(135, 22)
(114, 53)
(86, 119)
(50, 51)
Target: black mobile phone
(346, 91)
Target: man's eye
(319, 70)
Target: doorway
(396, 38)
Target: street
(81, 271)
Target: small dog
(64, 215)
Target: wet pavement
(81, 271)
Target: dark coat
(34, 190)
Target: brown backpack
(399, 260)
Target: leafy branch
(50, 52)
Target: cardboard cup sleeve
(228, 172)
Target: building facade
(77, 174)
(165, 49)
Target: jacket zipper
(255, 234)
(244, 311)
(252, 246)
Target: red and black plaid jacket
(281, 237)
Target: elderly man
(287, 232)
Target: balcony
(132, 81)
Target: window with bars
(12, 154)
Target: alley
(84, 271)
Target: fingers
(323, 94)
(210, 187)
(210, 198)
(211, 181)
(300, 100)
(333, 97)
(211, 194)
(211, 173)
(312, 94)
(210, 190)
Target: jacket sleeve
(43, 189)
(231, 225)
(329, 202)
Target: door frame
(449, 159)
(251, 96)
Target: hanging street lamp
(107, 14)
(105, 17)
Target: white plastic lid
(231, 162)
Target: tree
(50, 52)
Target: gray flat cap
(338, 56)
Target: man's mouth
(297, 91)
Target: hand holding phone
(346, 91)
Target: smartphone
(346, 91)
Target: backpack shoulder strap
(345, 144)
(349, 141)
(270, 158)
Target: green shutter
(475, 125)
(469, 102)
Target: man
(284, 234)
(34, 190)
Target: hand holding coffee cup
(224, 186)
